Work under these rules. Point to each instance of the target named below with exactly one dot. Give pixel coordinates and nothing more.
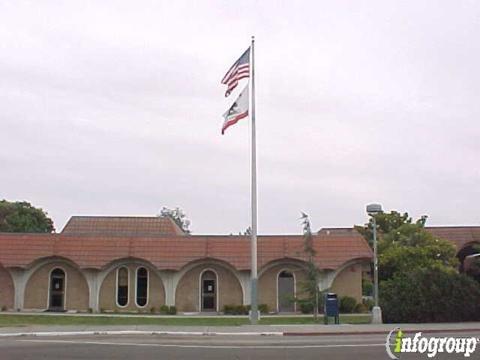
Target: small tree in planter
(310, 285)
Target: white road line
(204, 346)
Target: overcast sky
(114, 108)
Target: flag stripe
(239, 70)
(233, 121)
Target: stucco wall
(76, 288)
(349, 282)
(6, 289)
(187, 293)
(156, 292)
(267, 284)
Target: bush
(164, 309)
(437, 294)
(367, 287)
(263, 308)
(360, 308)
(153, 310)
(172, 310)
(369, 304)
(347, 304)
(243, 309)
(306, 307)
(4, 308)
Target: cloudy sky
(114, 108)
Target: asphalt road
(207, 347)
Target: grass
(11, 320)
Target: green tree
(387, 223)
(418, 273)
(21, 216)
(404, 244)
(434, 294)
(178, 216)
(309, 287)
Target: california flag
(237, 111)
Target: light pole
(373, 210)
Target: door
(286, 292)
(209, 291)
(57, 290)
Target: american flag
(239, 70)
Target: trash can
(331, 308)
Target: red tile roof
(121, 226)
(459, 235)
(174, 252)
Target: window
(122, 286)
(142, 286)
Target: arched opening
(467, 252)
(57, 290)
(208, 285)
(122, 286)
(142, 287)
(286, 291)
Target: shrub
(172, 310)
(369, 304)
(236, 309)
(436, 294)
(242, 310)
(153, 310)
(4, 308)
(164, 309)
(360, 308)
(263, 308)
(229, 309)
(89, 310)
(306, 307)
(347, 304)
(367, 287)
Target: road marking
(203, 346)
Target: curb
(140, 332)
(375, 332)
(212, 333)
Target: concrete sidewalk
(244, 330)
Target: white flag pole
(253, 279)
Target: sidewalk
(244, 330)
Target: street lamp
(373, 210)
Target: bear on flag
(237, 111)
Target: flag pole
(253, 279)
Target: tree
(404, 244)
(310, 285)
(178, 216)
(434, 294)
(21, 216)
(247, 232)
(387, 223)
(419, 280)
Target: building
(141, 263)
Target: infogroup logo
(398, 343)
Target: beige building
(139, 264)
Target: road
(207, 347)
